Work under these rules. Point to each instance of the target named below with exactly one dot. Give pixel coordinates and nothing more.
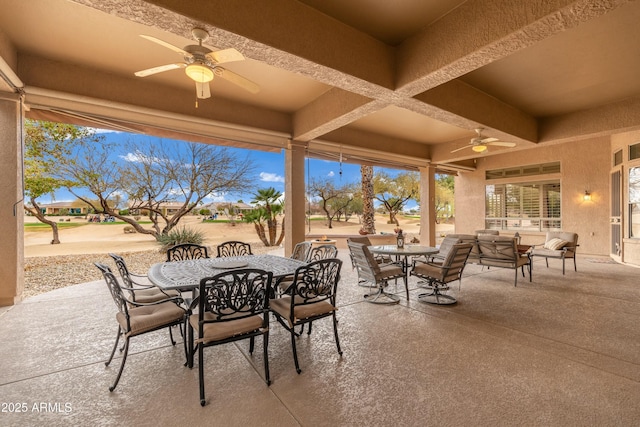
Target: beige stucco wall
(585, 165)
(12, 212)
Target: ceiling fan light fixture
(479, 148)
(199, 73)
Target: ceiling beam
(460, 99)
(483, 31)
(608, 119)
(332, 110)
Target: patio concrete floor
(559, 351)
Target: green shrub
(180, 235)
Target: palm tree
(368, 213)
(267, 212)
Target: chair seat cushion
(519, 261)
(548, 253)
(282, 306)
(390, 270)
(222, 330)
(428, 270)
(150, 317)
(146, 296)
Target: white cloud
(216, 197)
(132, 157)
(270, 177)
(331, 173)
(138, 157)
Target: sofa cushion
(555, 244)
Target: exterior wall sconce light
(587, 196)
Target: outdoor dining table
(186, 275)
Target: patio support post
(294, 189)
(428, 206)
(12, 211)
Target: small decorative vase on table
(400, 239)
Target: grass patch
(41, 225)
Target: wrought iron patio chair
(234, 248)
(186, 251)
(139, 292)
(312, 296)
(439, 275)
(322, 252)
(232, 306)
(135, 318)
(301, 251)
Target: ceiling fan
(479, 143)
(201, 64)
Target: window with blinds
(523, 206)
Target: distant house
(167, 208)
(221, 206)
(76, 207)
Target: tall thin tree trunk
(368, 213)
(37, 212)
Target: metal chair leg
(265, 355)
(124, 359)
(173, 342)
(201, 374)
(113, 351)
(335, 333)
(295, 352)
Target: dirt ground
(105, 237)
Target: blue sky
(269, 169)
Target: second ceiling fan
(201, 64)
(480, 143)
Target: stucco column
(294, 188)
(11, 211)
(428, 206)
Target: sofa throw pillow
(555, 244)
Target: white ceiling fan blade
(165, 44)
(462, 148)
(226, 55)
(160, 69)
(202, 90)
(502, 144)
(237, 79)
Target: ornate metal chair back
(322, 252)
(234, 295)
(187, 251)
(301, 251)
(234, 248)
(114, 288)
(316, 282)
